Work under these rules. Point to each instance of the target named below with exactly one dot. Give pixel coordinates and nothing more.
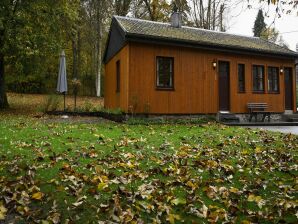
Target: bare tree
(137, 9)
(98, 14)
(208, 14)
(122, 7)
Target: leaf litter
(59, 173)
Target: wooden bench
(258, 108)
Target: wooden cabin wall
(113, 99)
(195, 81)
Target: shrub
(87, 107)
(52, 103)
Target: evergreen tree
(260, 24)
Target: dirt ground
(73, 119)
(34, 104)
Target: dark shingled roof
(143, 29)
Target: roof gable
(143, 30)
(116, 40)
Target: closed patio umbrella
(62, 80)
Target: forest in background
(33, 34)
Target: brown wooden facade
(196, 81)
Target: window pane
(241, 78)
(273, 79)
(258, 78)
(164, 72)
(118, 76)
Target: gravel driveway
(282, 129)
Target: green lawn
(83, 173)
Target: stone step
(228, 117)
(290, 117)
(293, 119)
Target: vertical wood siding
(114, 100)
(195, 81)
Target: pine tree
(260, 24)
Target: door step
(290, 117)
(228, 118)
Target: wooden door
(288, 88)
(224, 85)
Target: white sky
(241, 21)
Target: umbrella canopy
(62, 81)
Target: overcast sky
(241, 21)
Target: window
(118, 76)
(273, 80)
(241, 78)
(164, 70)
(258, 78)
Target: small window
(241, 78)
(258, 78)
(118, 76)
(164, 71)
(273, 80)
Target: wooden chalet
(166, 68)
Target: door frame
(229, 82)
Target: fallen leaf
(37, 196)
(245, 222)
(102, 186)
(257, 199)
(172, 217)
(204, 211)
(234, 190)
(258, 150)
(3, 211)
(44, 222)
(178, 201)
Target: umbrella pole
(64, 101)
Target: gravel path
(282, 129)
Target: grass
(83, 173)
(53, 171)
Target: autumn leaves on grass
(78, 173)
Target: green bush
(87, 107)
(52, 103)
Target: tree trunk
(98, 58)
(74, 59)
(79, 55)
(208, 22)
(3, 97)
(213, 16)
(221, 23)
(148, 6)
(202, 14)
(75, 68)
(98, 77)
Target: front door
(288, 88)
(224, 85)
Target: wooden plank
(115, 100)
(195, 81)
